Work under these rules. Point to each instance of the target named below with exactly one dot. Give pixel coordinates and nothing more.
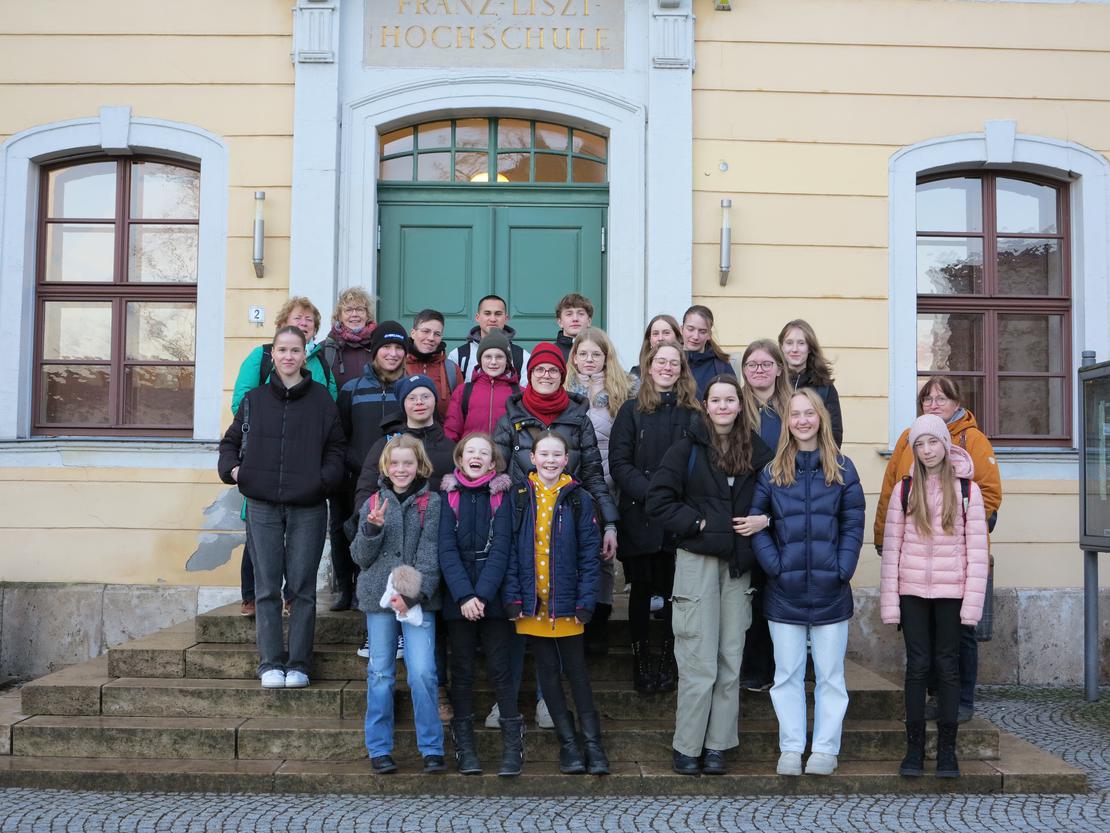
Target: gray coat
(403, 540)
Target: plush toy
(404, 581)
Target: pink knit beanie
(930, 425)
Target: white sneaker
(493, 719)
(400, 647)
(296, 679)
(790, 763)
(656, 603)
(821, 763)
(543, 716)
(364, 651)
(274, 678)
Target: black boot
(643, 672)
(913, 765)
(512, 746)
(947, 765)
(597, 631)
(667, 677)
(342, 598)
(597, 763)
(462, 734)
(571, 761)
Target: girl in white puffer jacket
(933, 580)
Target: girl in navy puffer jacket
(816, 505)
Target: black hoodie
(437, 445)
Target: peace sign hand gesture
(376, 516)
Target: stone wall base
(1038, 633)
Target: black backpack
(517, 357)
(266, 366)
(521, 503)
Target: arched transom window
(518, 150)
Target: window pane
(82, 191)
(77, 330)
(399, 141)
(950, 205)
(1026, 208)
(74, 394)
(79, 252)
(164, 192)
(433, 167)
(513, 166)
(1031, 343)
(551, 168)
(1031, 406)
(551, 136)
(587, 171)
(162, 254)
(160, 396)
(472, 133)
(589, 143)
(161, 331)
(1030, 267)
(435, 134)
(514, 133)
(949, 265)
(396, 169)
(949, 341)
(472, 167)
(971, 391)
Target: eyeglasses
(760, 365)
(936, 400)
(546, 371)
(658, 362)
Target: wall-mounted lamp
(259, 233)
(726, 241)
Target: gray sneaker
(493, 719)
(543, 716)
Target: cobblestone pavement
(1055, 719)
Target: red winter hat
(547, 353)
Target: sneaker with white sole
(400, 646)
(543, 716)
(296, 679)
(656, 604)
(821, 763)
(493, 719)
(790, 763)
(274, 678)
(364, 651)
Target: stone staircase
(182, 710)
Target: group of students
(493, 488)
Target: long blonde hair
(917, 507)
(686, 390)
(615, 380)
(780, 399)
(782, 467)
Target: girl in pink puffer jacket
(933, 580)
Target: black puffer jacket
(295, 444)
(637, 445)
(437, 445)
(514, 437)
(681, 496)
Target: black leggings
(639, 612)
(495, 635)
(931, 629)
(569, 653)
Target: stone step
(160, 655)
(225, 624)
(126, 737)
(73, 690)
(1022, 768)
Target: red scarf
(545, 406)
(359, 339)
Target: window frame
(119, 292)
(991, 305)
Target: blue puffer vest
(811, 548)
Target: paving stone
(71, 691)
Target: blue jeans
(285, 542)
(381, 679)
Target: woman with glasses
(940, 396)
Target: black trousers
(931, 629)
(495, 635)
(568, 653)
(340, 508)
(758, 665)
(649, 575)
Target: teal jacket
(252, 364)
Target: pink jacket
(942, 566)
(487, 404)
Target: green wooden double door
(446, 248)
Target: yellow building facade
(816, 118)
